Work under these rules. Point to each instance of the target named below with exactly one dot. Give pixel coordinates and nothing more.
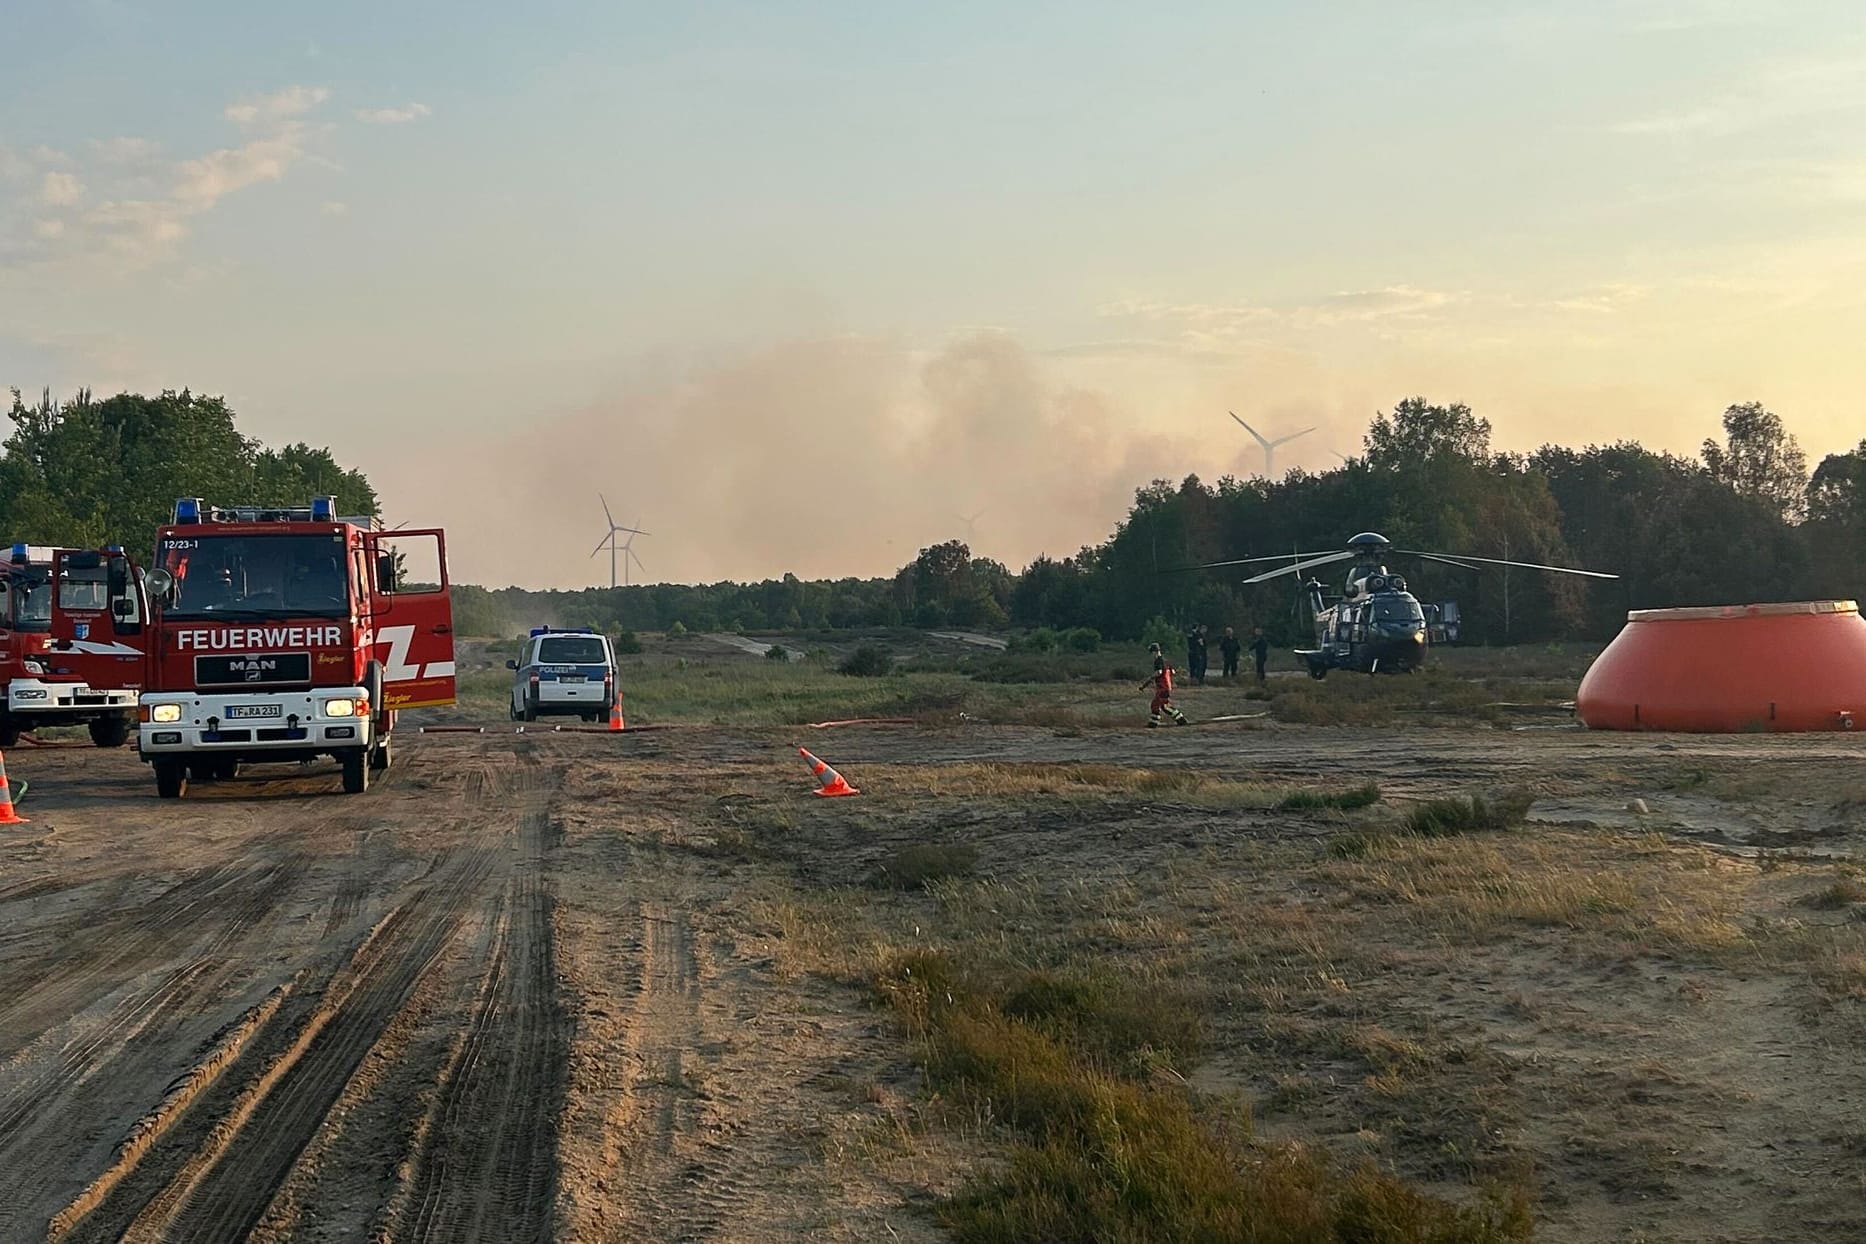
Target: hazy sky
(797, 284)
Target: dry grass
(1633, 889)
(1027, 781)
(1110, 1146)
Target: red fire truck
(71, 642)
(286, 635)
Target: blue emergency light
(20, 555)
(323, 509)
(114, 550)
(188, 510)
(562, 630)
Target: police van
(563, 673)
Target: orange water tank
(1792, 666)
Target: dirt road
(529, 988)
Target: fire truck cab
(71, 641)
(284, 634)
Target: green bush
(1043, 639)
(1082, 639)
(867, 661)
(1365, 795)
(679, 628)
(1164, 633)
(628, 644)
(777, 652)
(1442, 818)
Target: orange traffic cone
(615, 714)
(10, 817)
(833, 783)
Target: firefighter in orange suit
(1162, 685)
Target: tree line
(85, 473)
(1744, 520)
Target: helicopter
(1376, 626)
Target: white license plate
(246, 712)
(571, 678)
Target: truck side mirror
(123, 610)
(385, 571)
(117, 576)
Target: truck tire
(110, 731)
(381, 756)
(9, 731)
(171, 777)
(355, 771)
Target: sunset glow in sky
(796, 285)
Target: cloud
(392, 116)
(334, 208)
(48, 229)
(203, 182)
(60, 190)
(260, 110)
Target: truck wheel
(171, 777)
(110, 731)
(380, 756)
(355, 771)
(9, 730)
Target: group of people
(1229, 647)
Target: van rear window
(572, 650)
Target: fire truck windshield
(32, 599)
(256, 576)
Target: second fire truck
(72, 642)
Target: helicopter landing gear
(1317, 670)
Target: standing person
(1228, 648)
(1259, 650)
(1162, 685)
(1195, 653)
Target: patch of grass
(867, 661)
(1363, 796)
(1084, 781)
(1468, 814)
(913, 868)
(1843, 892)
(1109, 1147)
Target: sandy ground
(530, 987)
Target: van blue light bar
(562, 630)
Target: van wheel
(531, 711)
(110, 731)
(355, 771)
(171, 777)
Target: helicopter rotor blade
(1499, 561)
(1449, 561)
(1246, 561)
(1299, 567)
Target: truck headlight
(163, 714)
(340, 708)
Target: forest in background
(1745, 520)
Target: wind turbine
(1269, 447)
(971, 524)
(625, 548)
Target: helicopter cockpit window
(1398, 611)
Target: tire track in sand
(486, 1166)
(225, 1185)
